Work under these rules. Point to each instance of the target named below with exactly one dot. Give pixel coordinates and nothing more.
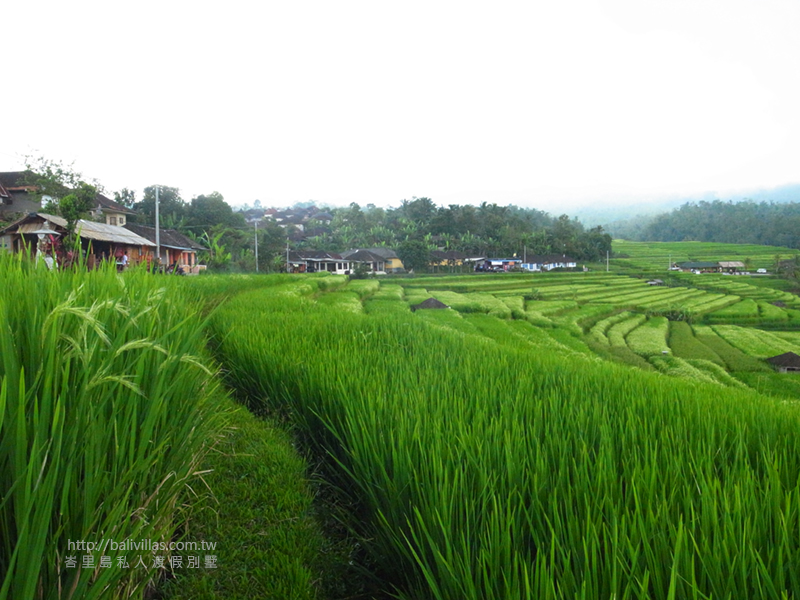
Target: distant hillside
(638, 221)
(747, 222)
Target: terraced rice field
(656, 256)
(507, 448)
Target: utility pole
(287, 255)
(158, 235)
(606, 261)
(255, 224)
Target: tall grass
(486, 471)
(106, 408)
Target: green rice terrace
(542, 436)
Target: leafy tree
(125, 197)
(414, 254)
(169, 203)
(208, 210)
(64, 191)
(216, 256)
(53, 179)
(419, 210)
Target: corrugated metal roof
(110, 233)
(91, 231)
(28, 228)
(730, 264)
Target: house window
(112, 220)
(121, 221)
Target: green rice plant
(779, 385)
(674, 302)
(537, 319)
(384, 306)
(494, 471)
(626, 356)
(650, 338)
(710, 303)
(717, 372)
(677, 367)
(388, 291)
(745, 310)
(565, 338)
(364, 287)
(770, 312)
(544, 340)
(599, 330)
(619, 331)
(474, 302)
(495, 329)
(735, 360)
(449, 319)
(755, 342)
(416, 295)
(107, 407)
(516, 304)
(328, 281)
(346, 299)
(578, 319)
(684, 344)
(793, 337)
(550, 307)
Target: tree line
(746, 222)
(484, 230)
(419, 224)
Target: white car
(762, 271)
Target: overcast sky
(535, 103)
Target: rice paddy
(553, 436)
(494, 460)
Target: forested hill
(742, 222)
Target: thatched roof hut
(786, 362)
(429, 303)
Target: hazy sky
(540, 103)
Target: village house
(447, 258)
(316, 261)
(374, 261)
(704, 266)
(698, 266)
(15, 196)
(499, 264)
(177, 250)
(391, 262)
(731, 266)
(548, 262)
(113, 213)
(43, 232)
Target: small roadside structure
(655, 282)
(548, 262)
(731, 266)
(788, 362)
(177, 250)
(429, 303)
(108, 242)
(699, 266)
